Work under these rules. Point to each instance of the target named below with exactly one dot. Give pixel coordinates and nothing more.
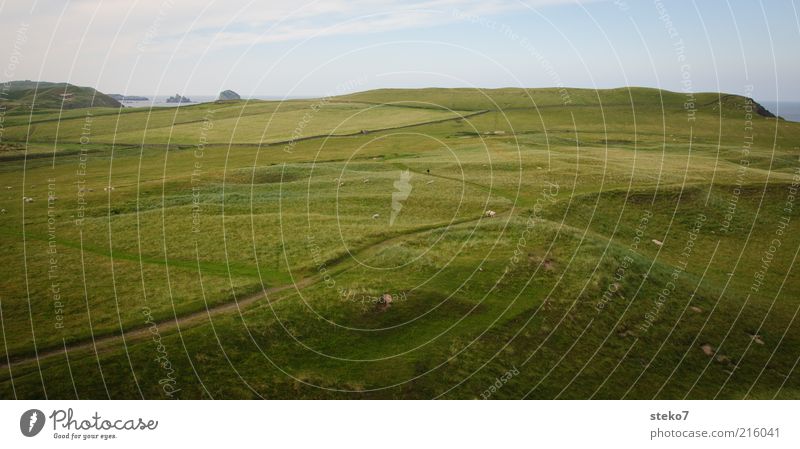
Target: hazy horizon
(159, 47)
(323, 94)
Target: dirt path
(138, 333)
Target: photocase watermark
(52, 256)
(499, 382)
(744, 163)
(31, 422)
(780, 230)
(365, 296)
(666, 292)
(80, 172)
(85, 428)
(509, 33)
(168, 383)
(20, 39)
(690, 104)
(152, 31)
(197, 169)
(68, 426)
(621, 272)
(321, 267)
(547, 196)
(298, 133)
(402, 191)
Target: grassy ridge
(27, 96)
(203, 222)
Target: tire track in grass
(190, 319)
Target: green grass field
(639, 249)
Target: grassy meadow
(641, 247)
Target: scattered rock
(696, 309)
(386, 298)
(429, 182)
(491, 213)
(757, 339)
(657, 242)
(723, 359)
(707, 349)
(366, 180)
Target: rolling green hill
(40, 95)
(642, 245)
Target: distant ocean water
(789, 110)
(161, 100)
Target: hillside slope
(514, 98)
(24, 95)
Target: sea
(789, 110)
(161, 100)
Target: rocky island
(178, 98)
(228, 95)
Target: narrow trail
(273, 143)
(142, 332)
(138, 333)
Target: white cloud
(102, 39)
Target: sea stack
(228, 95)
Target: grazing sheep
(491, 213)
(376, 216)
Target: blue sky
(283, 47)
